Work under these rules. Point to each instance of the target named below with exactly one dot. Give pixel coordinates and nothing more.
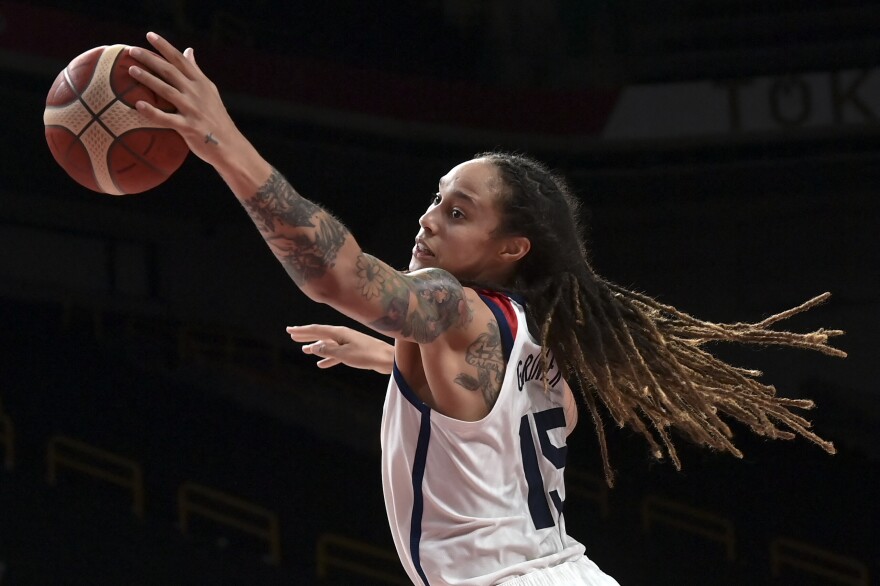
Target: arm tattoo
(441, 305)
(485, 355)
(278, 202)
(378, 281)
(440, 301)
(303, 236)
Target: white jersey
(481, 502)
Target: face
(456, 231)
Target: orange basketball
(95, 133)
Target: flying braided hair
(643, 360)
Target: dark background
(151, 326)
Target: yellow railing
(587, 486)
(697, 521)
(195, 499)
(817, 561)
(358, 557)
(82, 457)
(7, 438)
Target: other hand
(342, 345)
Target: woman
(499, 308)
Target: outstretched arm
(316, 250)
(341, 345)
(304, 237)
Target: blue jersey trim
(418, 474)
(516, 297)
(407, 391)
(503, 326)
(421, 455)
(418, 471)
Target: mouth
(421, 251)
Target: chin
(421, 263)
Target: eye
(436, 199)
(457, 213)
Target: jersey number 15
(544, 422)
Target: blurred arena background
(158, 427)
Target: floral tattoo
(421, 307)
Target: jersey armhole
(505, 315)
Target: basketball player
(498, 310)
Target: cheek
(468, 246)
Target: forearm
(304, 237)
(383, 357)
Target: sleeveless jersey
(481, 502)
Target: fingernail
(134, 70)
(135, 51)
(152, 36)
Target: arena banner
(48, 38)
(787, 105)
(42, 40)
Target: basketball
(95, 133)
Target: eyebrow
(462, 196)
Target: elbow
(324, 290)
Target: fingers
(172, 55)
(156, 116)
(167, 72)
(322, 348)
(328, 362)
(155, 67)
(314, 332)
(148, 77)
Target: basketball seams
(138, 156)
(100, 98)
(91, 64)
(120, 93)
(74, 117)
(98, 129)
(97, 140)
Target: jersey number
(544, 422)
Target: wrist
(242, 168)
(385, 359)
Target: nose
(428, 220)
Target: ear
(514, 248)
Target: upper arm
(460, 361)
(418, 307)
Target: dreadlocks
(642, 360)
